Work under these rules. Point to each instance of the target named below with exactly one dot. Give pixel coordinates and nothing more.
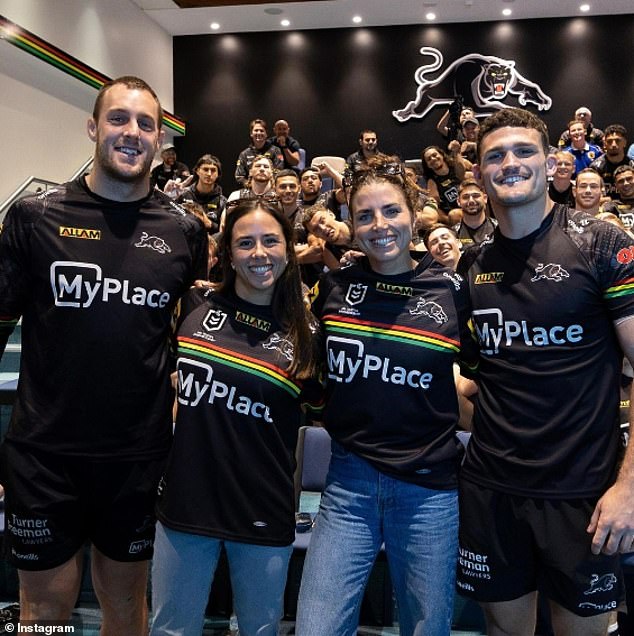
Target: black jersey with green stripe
(230, 472)
(95, 282)
(544, 307)
(391, 344)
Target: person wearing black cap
(169, 169)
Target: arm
(461, 165)
(327, 169)
(612, 522)
(310, 252)
(441, 126)
(241, 174)
(291, 156)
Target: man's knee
(511, 618)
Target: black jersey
(391, 342)
(546, 418)
(474, 236)
(230, 473)
(95, 282)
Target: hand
(454, 147)
(351, 257)
(612, 521)
(174, 187)
(281, 141)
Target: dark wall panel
(330, 84)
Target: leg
(182, 573)
(121, 589)
(50, 594)
(258, 580)
(565, 623)
(421, 540)
(512, 618)
(343, 547)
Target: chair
(313, 458)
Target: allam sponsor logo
(252, 321)
(348, 361)
(494, 331)
(196, 385)
(79, 285)
(488, 278)
(397, 290)
(80, 233)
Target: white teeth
(133, 152)
(512, 179)
(382, 242)
(261, 269)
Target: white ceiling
(338, 13)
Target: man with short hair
(543, 501)
(624, 184)
(560, 188)
(336, 235)
(443, 245)
(95, 268)
(475, 226)
(288, 145)
(368, 147)
(470, 128)
(169, 169)
(588, 190)
(614, 143)
(594, 135)
(583, 152)
(260, 146)
(310, 189)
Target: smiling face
(472, 200)
(587, 191)
(444, 247)
(513, 166)
(434, 160)
(286, 189)
(258, 256)
(258, 135)
(382, 224)
(624, 183)
(325, 226)
(127, 136)
(577, 134)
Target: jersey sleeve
(614, 262)
(14, 265)
(241, 172)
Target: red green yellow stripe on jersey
(247, 364)
(621, 288)
(398, 333)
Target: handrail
(24, 186)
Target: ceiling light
(430, 16)
(357, 19)
(214, 26)
(506, 12)
(285, 23)
(584, 8)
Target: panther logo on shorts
(603, 583)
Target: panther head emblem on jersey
(430, 309)
(487, 83)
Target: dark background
(329, 84)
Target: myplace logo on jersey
(196, 385)
(493, 332)
(347, 360)
(79, 285)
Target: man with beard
(475, 226)
(624, 184)
(289, 146)
(310, 188)
(260, 147)
(588, 190)
(544, 503)
(368, 147)
(95, 268)
(259, 184)
(614, 143)
(169, 169)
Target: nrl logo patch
(214, 320)
(356, 293)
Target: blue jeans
(361, 508)
(182, 574)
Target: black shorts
(54, 504)
(512, 545)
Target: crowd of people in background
(388, 299)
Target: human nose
(509, 159)
(379, 220)
(258, 249)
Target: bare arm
(612, 522)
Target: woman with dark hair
(393, 328)
(206, 191)
(444, 174)
(247, 356)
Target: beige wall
(43, 111)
